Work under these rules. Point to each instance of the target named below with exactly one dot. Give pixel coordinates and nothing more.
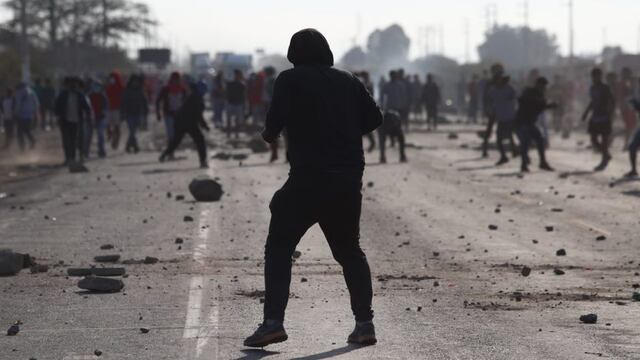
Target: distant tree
(78, 35)
(95, 22)
(354, 59)
(388, 48)
(519, 48)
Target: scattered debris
(370, 184)
(106, 258)
(179, 241)
(100, 284)
(108, 271)
(39, 268)
(11, 262)
(150, 260)
(561, 252)
(14, 329)
(636, 296)
(601, 238)
(106, 247)
(558, 272)
(526, 271)
(97, 353)
(144, 330)
(493, 227)
(179, 197)
(205, 189)
(296, 254)
(453, 136)
(549, 228)
(589, 318)
(187, 218)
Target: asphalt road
(446, 285)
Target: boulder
(589, 318)
(205, 189)
(11, 262)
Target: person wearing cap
(325, 113)
(531, 104)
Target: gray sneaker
(363, 334)
(266, 335)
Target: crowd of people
(91, 108)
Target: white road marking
(195, 326)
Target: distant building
(200, 64)
(631, 61)
(227, 62)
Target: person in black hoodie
(531, 104)
(325, 113)
(190, 118)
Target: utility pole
(25, 55)
(441, 32)
(467, 41)
(571, 32)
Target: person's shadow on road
(256, 354)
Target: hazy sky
(244, 25)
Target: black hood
(309, 47)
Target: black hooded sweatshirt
(324, 111)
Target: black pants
(334, 202)
(505, 132)
(24, 131)
(392, 131)
(72, 139)
(487, 135)
(432, 116)
(526, 134)
(196, 135)
(9, 131)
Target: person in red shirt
(169, 101)
(114, 90)
(255, 91)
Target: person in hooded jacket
(325, 113)
(189, 120)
